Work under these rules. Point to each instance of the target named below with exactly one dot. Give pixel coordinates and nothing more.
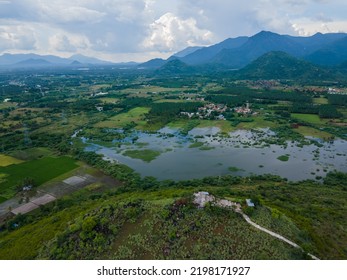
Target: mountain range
(235, 53)
(265, 54)
(40, 61)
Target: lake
(241, 153)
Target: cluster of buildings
(244, 110)
(217, 110)
(336, 91)
(207, 111)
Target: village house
(207, 110)
(244, 110)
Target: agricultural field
(40, 171)
(135, 115)
(32, 153)
(8, 160)
(309, 131)
(320, 100)
(257, 122)
(151, 89)
(309, 118)
(224, 126)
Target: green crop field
(31, 153)
(41, 171)
(224, 126)
(8, 160)
(320, 100)
(309, 131)
(258, 122)
(119, 121)
(310, 118)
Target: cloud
(18, 37)
(307, 27)
(68, 42)
(140, 28)
(170, 32)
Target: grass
(235, 169)
(145, 155)
(32, 153)
(224, 126)
(27, 245)
(72, 123)
(171, 101)
(283, 158)
(110, 100)
(144, 126)
(41, 171)
(135, 115)
(309, 131)
(178, 123)
(206, 148)
(5, 105)
(184, 125)
(320, 100)
(311, 214)
(196, 145)
(8, 160)
(258, 122)
(151, 89)
(309, 118)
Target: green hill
(279, 65)
(147, 219)
(174, 67)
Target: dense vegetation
(40, 140)
(151, 219)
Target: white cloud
(19, 37)
(307, 27)
(170, 32)
(68, 42)
(140, 28)
(58, 14)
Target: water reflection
(241, 153)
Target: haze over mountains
(322, 49)
(265, 55)
(39, 61)
(295, 55)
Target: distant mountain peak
(186, 51)
(266, 35)
(88, 60)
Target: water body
(243, 150)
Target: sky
(138, 30)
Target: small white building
(249, 203)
